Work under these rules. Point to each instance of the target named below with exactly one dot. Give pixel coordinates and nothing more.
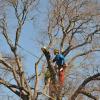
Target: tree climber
(60, 61)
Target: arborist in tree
(60, 61)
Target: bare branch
(88, 95)
(7, 65)
(36, 81)
(5, 34)
(82, 54)
(82, 86)
(13, 88)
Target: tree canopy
(30, 32)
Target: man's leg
(61, 77)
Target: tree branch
(36, 81)
(5, 34)
(88, 94)
(82, 86)
(82, 54)
(7, 65)
(13, 88)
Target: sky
(30, 33)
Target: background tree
(71, 26)
(13, 64)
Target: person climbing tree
(60, 61)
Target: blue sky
(30, 33)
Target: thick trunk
(55, 91)
(27, 98)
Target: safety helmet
(56, 51)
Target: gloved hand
(61, 69)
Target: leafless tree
(21, 87)
(72, 26)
